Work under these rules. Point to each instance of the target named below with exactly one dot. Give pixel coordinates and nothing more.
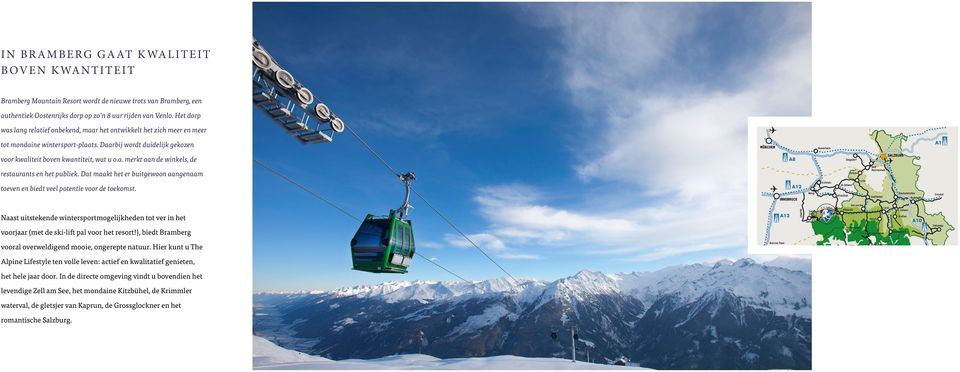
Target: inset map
(857, 185)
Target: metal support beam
(288, 103)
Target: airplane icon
(773, 188)
(772, 130)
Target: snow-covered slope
(396, 291)
(266, 355)
(777, 284)
(760, 285)
(726, 314)
(792, 263)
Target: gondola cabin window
(411, 248)
(368, 238)
(402, 242)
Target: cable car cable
(372, 152)
(444, 268)
(348, 214)
(304, 188)
(447, 220)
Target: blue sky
(560, 137)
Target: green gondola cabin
(383, 245)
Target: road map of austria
(856, 185)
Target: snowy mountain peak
(395, 291)
(502, 285)
(585, 272)
(718, 297)
(371, 290)
(723, 262)
(777, 285)
(791, 263)
(586, 275)
(589, 282)
(714, 303)
(742, 304)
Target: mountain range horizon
(729, 315)
(793, 262)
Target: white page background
(212, 331)
(875, 309)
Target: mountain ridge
(638, 284)
(737, 314)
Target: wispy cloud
(491, 244)
(429, 244)
(669, 134)
(519, 217)
(484, 240)
(670, 117)
(517, 213)
(669, 250)
(520, 256)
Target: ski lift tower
(573, 343)
(422, 341)
(574, 336)
(290, 104)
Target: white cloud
(485, 241)
(516, 213)
(429, 244)
(669, 250)
(692, 144)
(520, 256)
(490, 244)
(675, 140)
(670, 136)
(618, 43)
(519, 216)
(771, 257)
